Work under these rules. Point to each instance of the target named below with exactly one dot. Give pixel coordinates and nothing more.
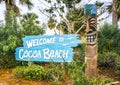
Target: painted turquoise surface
(63, 40)
(42, 57)
(90, 10)
(59, 49)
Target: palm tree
(30, 25)
(10, 5)
(114, 8)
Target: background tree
(10, 5)
(67, 17)
(115, 11)
(69, 14)
(108, 39)
(30, 25)
(109, 46)
(11, 36)
(114, 8)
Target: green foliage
(118, 65)
(82, 80)
(31, 73)
(108, 38)
(55, 74)
(57, 71)
(75, 15)
(51, 23)
(107, 59)
(70, 3)
(62, 27)
(70, 16)
(108, 45)
(30, 25)
(35, 72)
(9, 36)
(12, 33)
(76, 72)
(100, 81)
(8, 62)
(79, 78)
(27, 2)
(79, 54)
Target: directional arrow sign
(32, 41)
(56, 48)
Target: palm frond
(109, 8)
(27, 2)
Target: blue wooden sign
(54, 48)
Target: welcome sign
(55, 48)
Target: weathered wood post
(91, 40)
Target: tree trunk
(114, 18)
(114, 13)
(7, 14)
(9, 7)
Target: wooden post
(91, 40)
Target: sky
(40, 4)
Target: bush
(12, 33)
(31, 73)
(8, 62)
(83, 80)
(36, 72)
(79, 78)
(79, 54)
(107, 59)
(101, 81)
(108, 38)
(118, 65)
(55, 74)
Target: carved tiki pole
(91, 40)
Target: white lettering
(29, 43)
(49, 54)
(21, 50)
(41, 41)
(29, 54)
(65, 53)
(35, 42)
(46, 53)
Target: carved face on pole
(91, 40)
(90, 24)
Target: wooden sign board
(56, 48)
